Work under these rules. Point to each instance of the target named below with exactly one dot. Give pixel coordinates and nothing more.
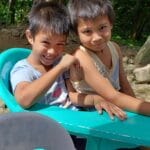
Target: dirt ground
(12, 37)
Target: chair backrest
(7, 60)
(32, 131)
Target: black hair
(48, 16)
(89, 9)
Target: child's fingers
(110, 112)
(98, 108)
(113, 110)
(119, 113)
(106, 108)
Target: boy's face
(46, 47)
(94, 33)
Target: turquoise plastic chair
(32, 131)
(99, 130)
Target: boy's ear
(29, 36)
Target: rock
(142, 91)
(125, 60)
(131, 61)
(142, 74)
(129, 68)
(143, 56)
(3, 109)
(131, 78)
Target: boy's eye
(86, 31)
(45, 42)
(103, 28)
(61, 44)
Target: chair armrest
(134, 130)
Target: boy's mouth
(47, 59)
(50, 59)
(98, 46)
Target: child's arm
(124, 84)
(90, 100)
(27, 93)
(103, 87)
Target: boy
(100, 58)
(40, 77)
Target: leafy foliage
(14, 12)
(132, 17)
(3, 13)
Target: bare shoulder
(80, 54)
(83, 57)
(77, 51)
(117, 48)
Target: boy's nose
(51, 51)
(96, 37)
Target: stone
(142, 91)
(142, 74)
(143, 56)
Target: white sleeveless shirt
(111, 74)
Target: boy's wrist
(60, 67)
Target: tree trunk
(12, 10)
(140, 19)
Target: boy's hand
(110, 108)
(68, 60)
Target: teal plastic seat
(101, 132)
(32, 131)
